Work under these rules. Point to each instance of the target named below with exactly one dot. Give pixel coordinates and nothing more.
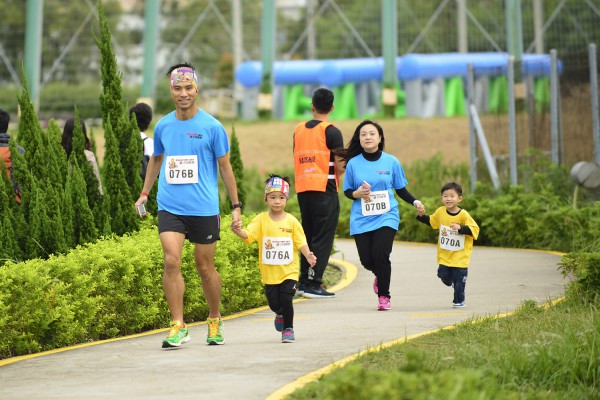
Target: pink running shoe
(375, 287)
(384, 303)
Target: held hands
(420, 207)
(312, 259)
(236, 226)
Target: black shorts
(202, 230)
(287, 286)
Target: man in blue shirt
(190, 146)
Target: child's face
(450, 198)
(276, 201)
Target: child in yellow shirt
(279, 235)
(455, 244)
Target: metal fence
(201, 31)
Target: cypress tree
(238, 166)
(122, 212)
(10, 248)
(57, 160)
(33, 246)
(114, 111)
(53, 238)
(83, 229)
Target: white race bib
(277, 250)
(182, 170)
(451, 240)
(379, 203)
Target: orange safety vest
(312, 158)
(6, 158)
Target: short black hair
(182, 65)
(454, 186)
(4, 120)
(323, 100)
(143, 115)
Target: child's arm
(237, 229)
(309, 255)
(424, 219)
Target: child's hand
(455, 227)
(236, 226)
(312, 259)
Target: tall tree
(237, 165)
(115, 112)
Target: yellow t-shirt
(278, 244)
(453, 249)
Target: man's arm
(229, 180)
(152, 171)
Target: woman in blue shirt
(372, 178)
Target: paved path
(254, 364)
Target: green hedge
(113, 288)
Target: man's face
(184, 95)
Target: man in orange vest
(5, 152)
(317, 171)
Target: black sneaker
(317, 292)
(300, 289)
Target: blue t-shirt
(384, 174)
(203, 136)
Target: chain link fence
(200, 31)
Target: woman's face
(369, 138)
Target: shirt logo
(194, 135)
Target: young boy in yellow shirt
(279, 235)
(455, 244)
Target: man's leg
(204, 254)
(325, 214)
(173, 283)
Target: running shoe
(279, 322)
(384, 303)
(178, 335)
(287, 336)
(317, 292)
(215, 335)
(458, 305)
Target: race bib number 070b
(379, 203)
(182, 170)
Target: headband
(277, 184)
(184, 75)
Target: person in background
(5, 151)
(372, 178)
(317, 172)
(190, 149)
(67, 144)
(143, 116)
(455, 244)
(279, 235)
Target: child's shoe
(287, 336)
(279, 322)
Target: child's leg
(444, 274)
(287, 289)
(272, 294)
(460, 282)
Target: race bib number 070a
(182, 170)
(451, 240)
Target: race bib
(379, 203)
(277, 250)
(182, 170)
(451, 240)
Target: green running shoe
(178, 335)
(215, 336)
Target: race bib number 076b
(182, 170)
